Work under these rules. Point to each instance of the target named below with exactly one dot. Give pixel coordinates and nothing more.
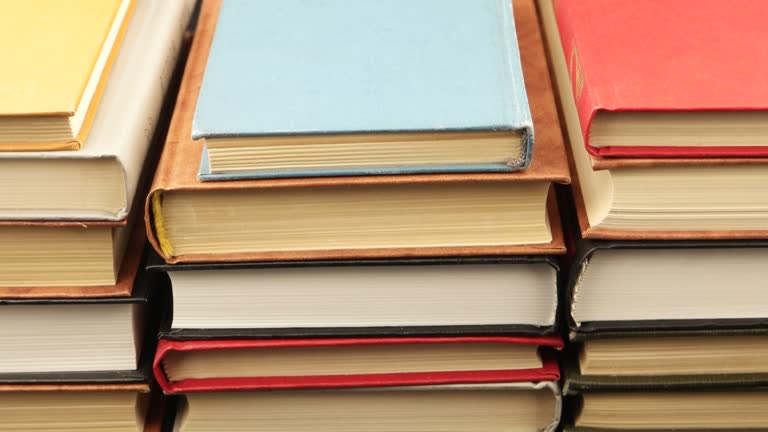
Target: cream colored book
(447, 408)
(99, 181)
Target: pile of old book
(355, 210)
(365, 215)
(669, 138)
(82, 89)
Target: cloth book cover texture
(179, 163)
(338, 67)
(662, 56)
(51, 58)
(548, 372)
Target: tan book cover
(177, 171)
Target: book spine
(520, 109)
(582, 93)
(171, 163)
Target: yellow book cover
(57, 57)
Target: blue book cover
(293, 68)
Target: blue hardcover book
(297, 88)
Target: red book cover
(666, 55)
(548, 372)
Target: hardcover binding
(97, 380)
(178, 167)
(575, 21)
(576, 383)
(598, 233)
(496, 57)
(549, 371)
(182, 334)
(126, 278)
(76, 142)
(157, 264)
(583, 248)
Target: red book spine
(549, 371)
(582, 93)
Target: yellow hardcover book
(57, 57)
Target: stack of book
(665, 107)
(81, 91)
(354, 207)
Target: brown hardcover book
(357, 217)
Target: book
(99, 181)
(118, 407)
(57, 63)
(62, 253)
(257, 364)
(427, 296)
(354, 217)
(682, 285)
(664, 402)
(329, 88)
(648, 80)
(691, 199)
(66, 340)
(577, 383)
(50, 280)
(697, 410)
(524, 406)
(662, 355)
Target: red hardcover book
(668, 65)
(257, 364)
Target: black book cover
(143, 292)
(576, 383)
(156, 264)
(580, 250)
